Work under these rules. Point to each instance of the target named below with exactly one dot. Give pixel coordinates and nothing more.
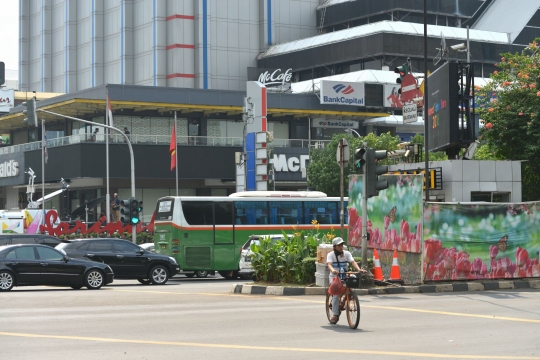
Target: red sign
(110, 228)
(409, 89)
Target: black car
(9, 239)
(42, 265)
(128, 261)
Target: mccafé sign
(9, 168)
(276, 77)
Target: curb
(425, 289)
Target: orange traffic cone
(377, 270)
(395, 275)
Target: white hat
(337, 241)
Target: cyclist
(337, 262)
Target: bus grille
(198, 257)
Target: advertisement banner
(481, 241)
(6, 100)
(342, 93)
(392, 98)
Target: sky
(9, 41)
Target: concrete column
(24, 41)
(46, 45)
(201, 11)
(161, 43)
(127, 42)
(98, 43)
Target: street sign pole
(364, 214)
(342, 157)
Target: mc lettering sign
(289, 162)
(342, 93)
(9, 168)
(435, 176)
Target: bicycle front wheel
(328, 304)
(353, 310)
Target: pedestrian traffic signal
(30, 112)
(134, 211)
(402, 71)
(373, 184)
(359, 160)
(125, 212)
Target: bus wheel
(190, 275)
(201, 274)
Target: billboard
(342, 93)
(392, 98)
(443, 122)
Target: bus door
(224, 249)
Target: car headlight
(173, 260)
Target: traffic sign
(409, 89)
(409, 113)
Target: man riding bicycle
(337, 262)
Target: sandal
(334, 319)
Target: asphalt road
(200, 319)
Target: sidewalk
(479, 285)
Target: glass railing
(159, 140)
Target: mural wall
(394, 223)
(481, 241)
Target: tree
(510, 106)
(323, 169)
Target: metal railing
(159, 140)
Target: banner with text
(342, 93)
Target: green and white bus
(207, 233)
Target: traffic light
(373, 184)
(360, 159)
(125, 211)
(2, 73)
(134, 211)
(402, 71)
(30, 111)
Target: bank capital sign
(342, 93)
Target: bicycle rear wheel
(353, 310)
(328, 306)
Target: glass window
(198, 212)
(223, 213)
(285, 212)
(251, 212)
(51, 241)
(100, 246)
(325, 212)
(24, 240)
(4, 240)
(25, 253)
(49, 254)
(124, 246)
(280, 129)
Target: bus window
(223, 213)
(164, 209)
(252, 212)
(324, 212)
(198, 212)
(285, 212)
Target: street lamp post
(353, 131)
(133, 230)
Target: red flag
(172, 148)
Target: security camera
(458, 47)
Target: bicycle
(348, 301)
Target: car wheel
(159, 275)
(247, 276)
(201, 274)
(94, 279)
(76, 287)
(144, 281)
(6, 281)
(190, 275)
(229, 275)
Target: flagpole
(107, 120)
(43, 142)
(176, 152)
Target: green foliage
(433, 156)
(485, 152)
(283, 260)
(530, 179)
(323, 169)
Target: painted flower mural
(481, 241)
(395, 216)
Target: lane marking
(269, 348)
(450, 313)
